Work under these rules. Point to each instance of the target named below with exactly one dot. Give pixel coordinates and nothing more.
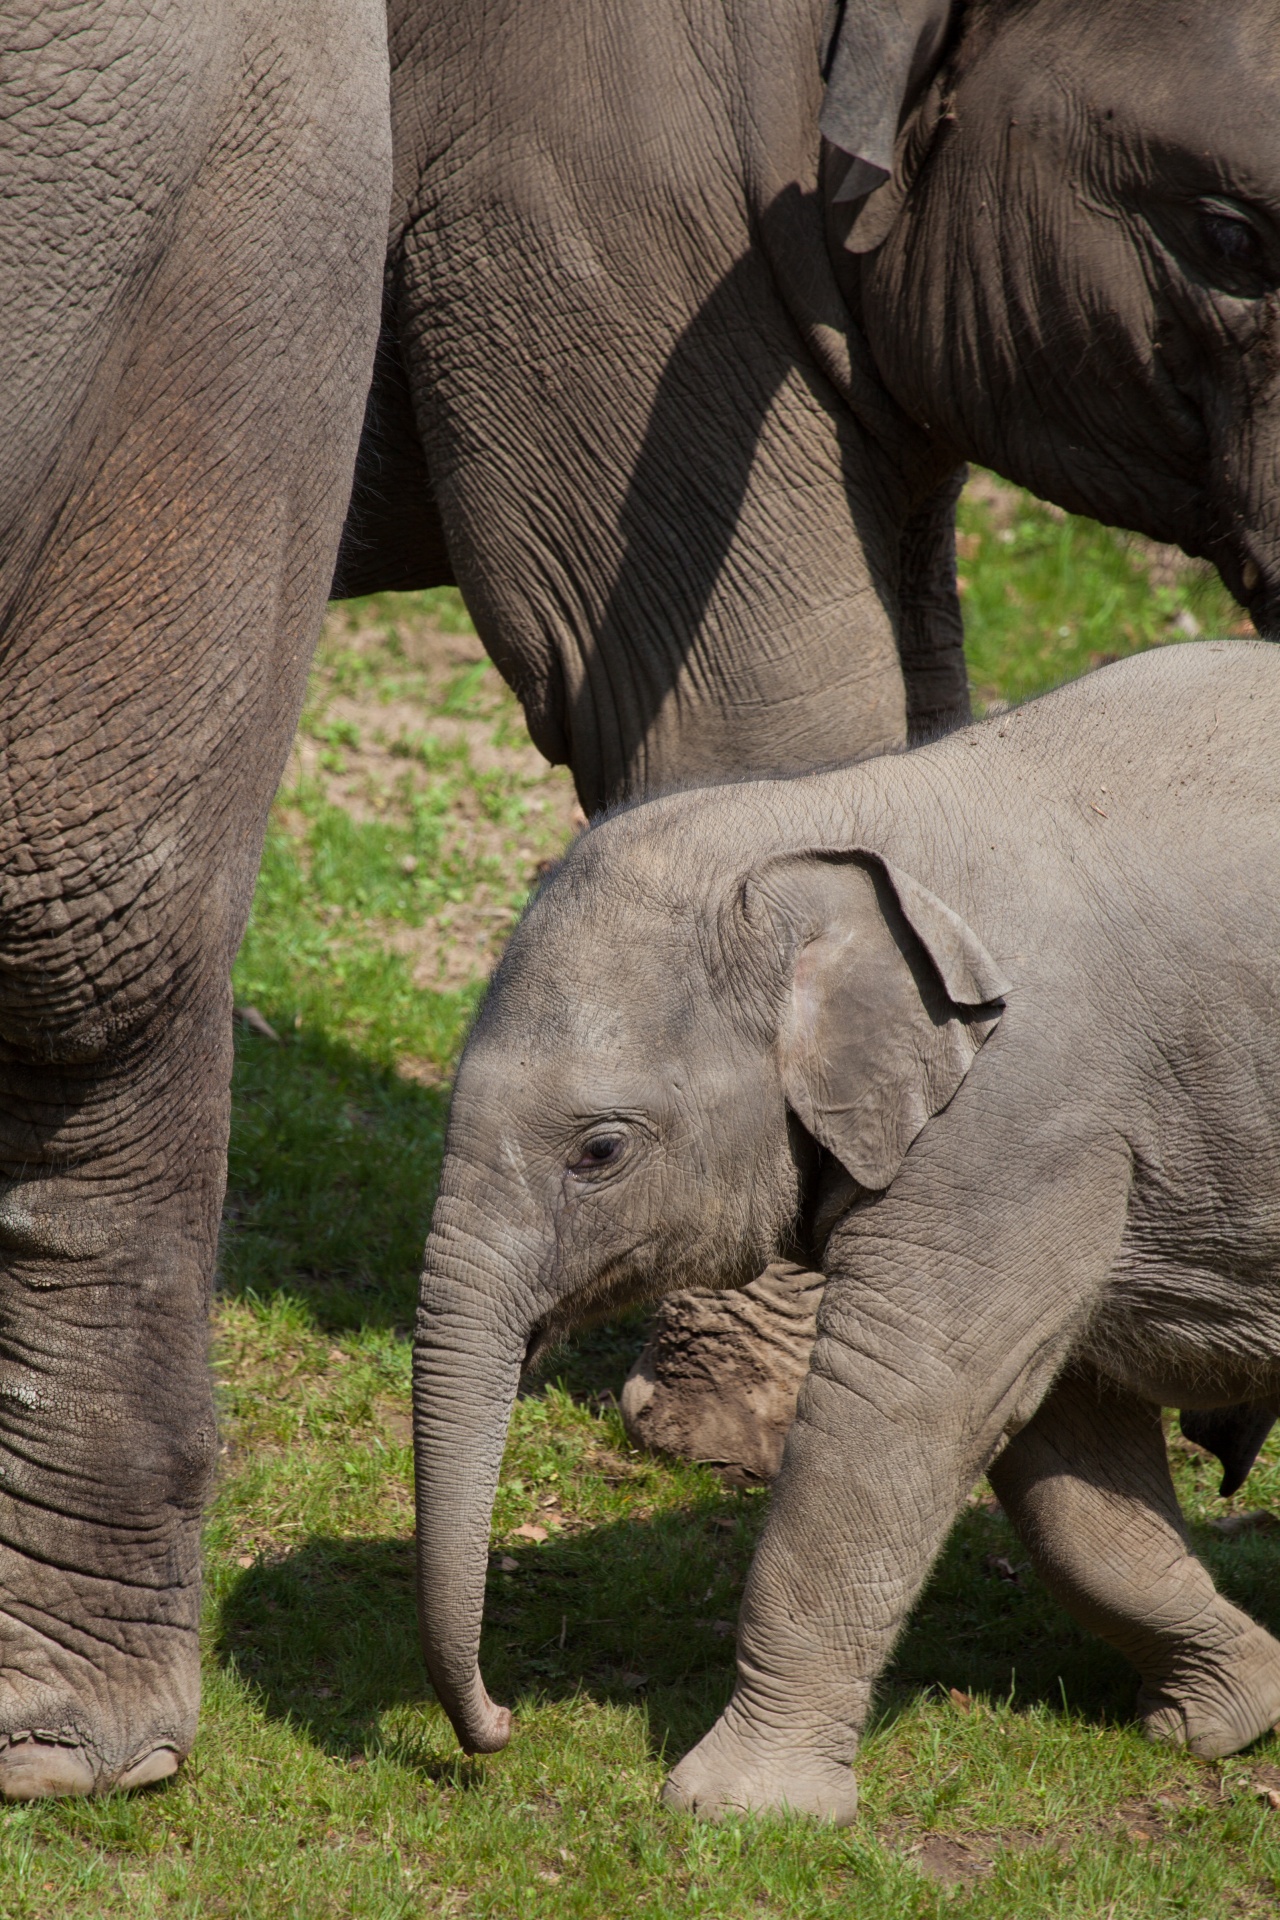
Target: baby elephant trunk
(466, 1367)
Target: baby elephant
(990, 1031)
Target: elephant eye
(1234, 239)
(1231, 240)
(601, 1150)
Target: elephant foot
(719, 1377)
(70, 1724)
(724, 1774)
(41, 1765)
(1221, 1707)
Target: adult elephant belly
(190, 273)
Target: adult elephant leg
(1087, 1485)
(112, 1182)
(720, 1374)
(173, 533)
(718, 1378)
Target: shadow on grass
(332, 1176)
(641, 1611)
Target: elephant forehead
(509, 1091)
(637, 1044)
(529, 1033)
(596, 961)
(1195, 79)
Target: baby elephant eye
(601, 1150)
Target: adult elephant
(195, 200)
(695, 471)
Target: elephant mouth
(1254, 585)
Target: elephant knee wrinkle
(63, 1233)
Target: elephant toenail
(159, 1764)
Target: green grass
(325, 1780)
(1046, 595)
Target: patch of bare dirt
(1001, 500)
(406, 700)
(457, 946)
(431, 664)
(1147, 1821)
(396, 1422)
(372, 749)
(955, 1859)
(948, 1860)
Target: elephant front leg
(860, 1509)
(109, 1201)
(1087, 1486)
(939, 1331)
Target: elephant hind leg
(1087, 1486)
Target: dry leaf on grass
(530, 1532)
(251, 1018)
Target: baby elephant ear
(891, 996)
(879, 57)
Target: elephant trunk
(468, 1350)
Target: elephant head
(689, 1043)
(1073, 272)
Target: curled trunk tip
(482, 1726)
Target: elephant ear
(890, 997)
(878, 59)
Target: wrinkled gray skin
(989, 1030)
(697, 534)
(1080, 287)
(189, 277)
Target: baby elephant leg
(1087, 1486)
